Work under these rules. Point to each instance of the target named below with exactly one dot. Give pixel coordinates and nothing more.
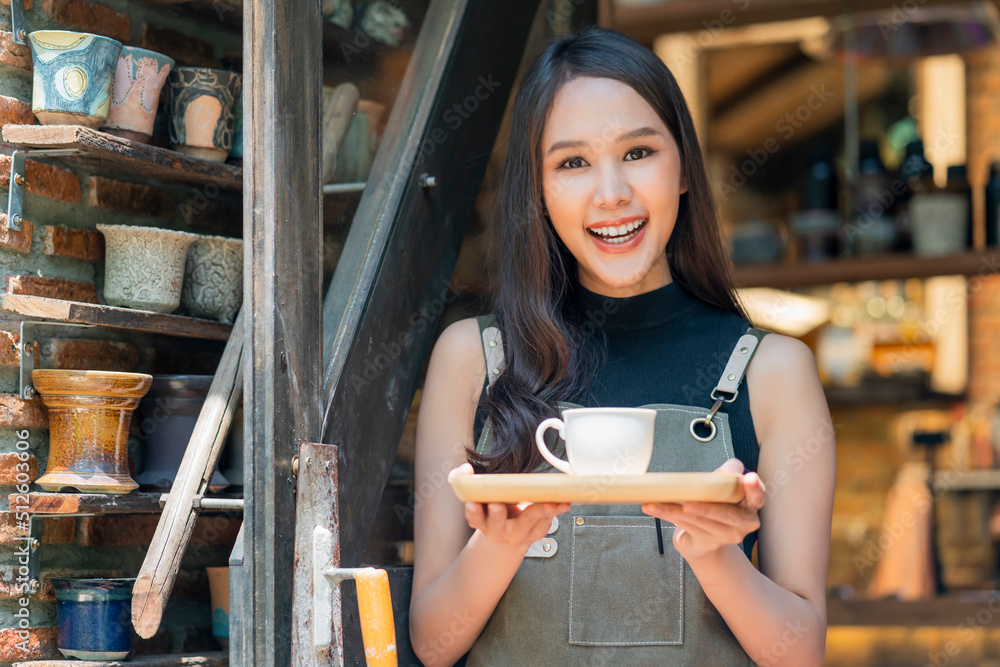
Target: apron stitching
(680, 615)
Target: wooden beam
(89, 503)
(215, 659)
(173, 532)
(282, 46)
(645, 22)
(112, 316)
(105, 151)
(392, 282)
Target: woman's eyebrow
(631, 134)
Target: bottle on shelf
(993, 206)
(915, 175)
(815, 225)
(941, 216)
(870, 229)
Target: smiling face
(611, 182)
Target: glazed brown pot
(89, 415)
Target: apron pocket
(623, 592)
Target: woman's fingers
(464, 469)
(753, 491)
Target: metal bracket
(17, 21)
(15, 193)
(29, 338)
(34, 542)
(326, 577)
(200, 502)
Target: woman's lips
(618, 248)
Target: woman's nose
(612, 189)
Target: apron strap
(489, 333)
(736, 367)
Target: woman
(614, 290)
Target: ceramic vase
(94, 617)
(135, 94)
(218, 585)
(144, 266)
(940, 223)
(213, 278)
(163, 424)
(201, 111)
(72, 76)
(89, 416)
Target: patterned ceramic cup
(72, 77)
(213, 278)
(201, 111)
(144, 266)
(136, 93)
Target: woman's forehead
(588, 109)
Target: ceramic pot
(136, 93)
(201, 111)
(940, 223)
(213, 278)
(89, 416)
(163, 424)
(218, 585)
(144, 266)
(72, 75)
(94, 617)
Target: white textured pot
(213, 278)
(144, 266)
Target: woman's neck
(657, 276)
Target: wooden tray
(663, 487)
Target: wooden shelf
(886, 267)
(966, 480)
(54, 504)
(111, 316)
(945, 611)
(102, 150)
(215, 659)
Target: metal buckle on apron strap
(728, 384)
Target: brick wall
(59, 253)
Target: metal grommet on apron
(605, 586)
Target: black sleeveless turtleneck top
(662, 346)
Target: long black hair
(534, 276)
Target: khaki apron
(597, 590)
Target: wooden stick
(163, 559)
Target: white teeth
(619, 234)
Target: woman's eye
(573, 163)
(637, 153)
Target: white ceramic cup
(602, 440)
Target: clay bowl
(89, 416)
(144, 266)
(213, 278)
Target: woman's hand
(516, 526)
(702, 527)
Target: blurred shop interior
(855, 154)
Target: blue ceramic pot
(95, 617)
(73, 72)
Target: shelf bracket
(29, 339)
(18, 26)
(33, 543)
(15, 192)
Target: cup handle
(556, 423)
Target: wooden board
(173, 532)
(102, 150)
(88, 503)
(664, 487)
(885, 267)
(112, 316)
(215, 659)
